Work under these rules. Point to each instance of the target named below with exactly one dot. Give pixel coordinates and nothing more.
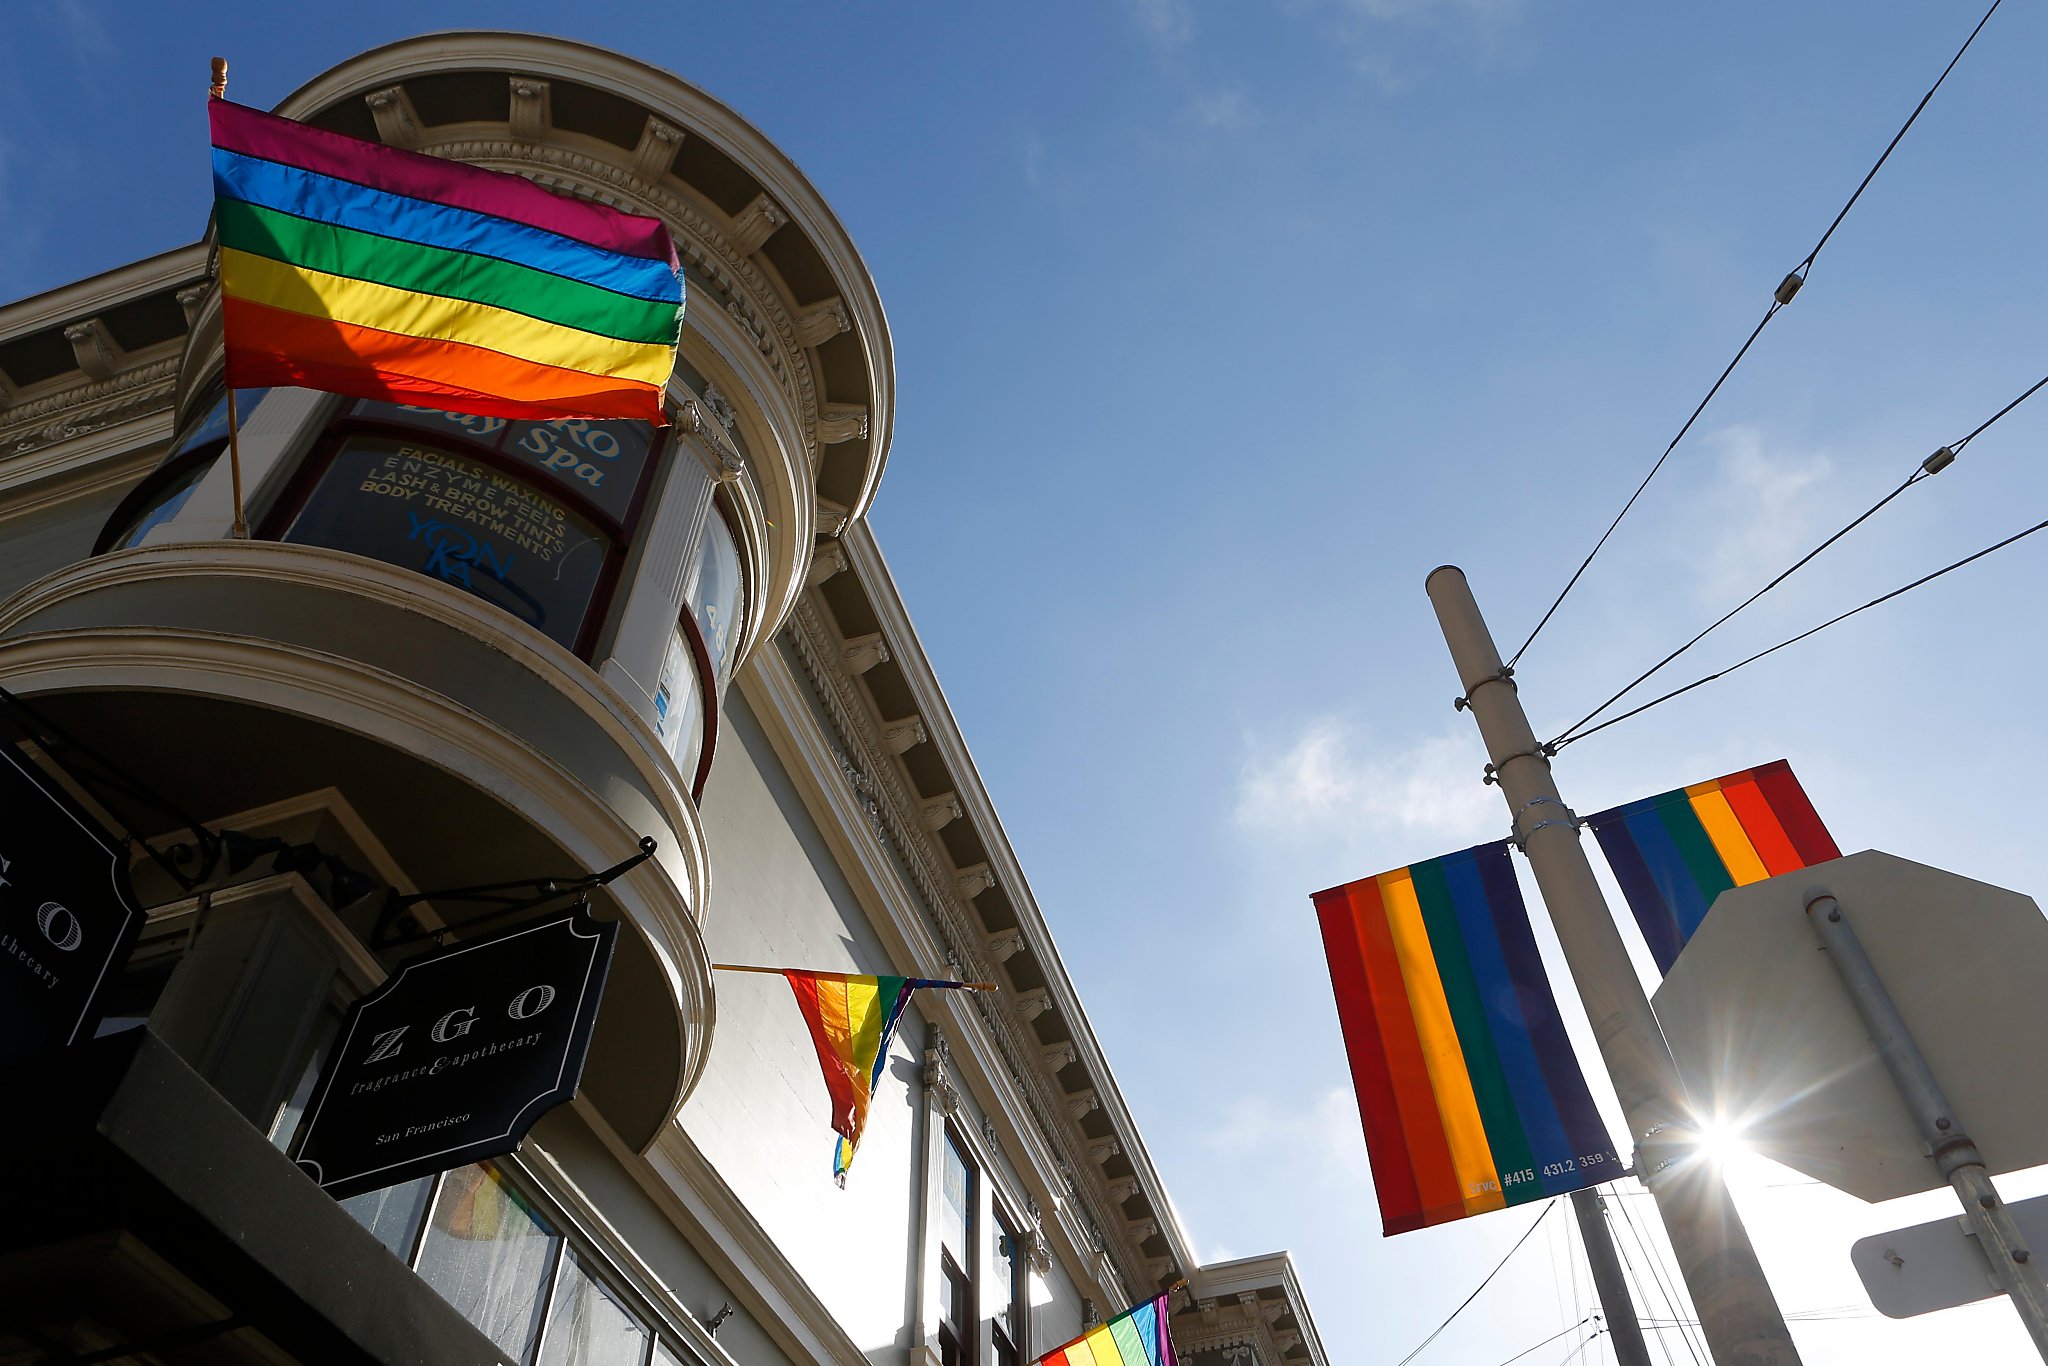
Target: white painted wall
(760, 1114)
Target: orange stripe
(1436, 1180)
(1760, 823)
(1724, 828)
(272, 346)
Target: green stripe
(1497, 1111)
(1695, 845)
(1125, 1335)
(438, 270)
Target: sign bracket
(505, 897)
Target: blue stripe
(326, 199)
(1506, 1017)
(1145, 1318)
(1653, 913)
(1584, 1130)
(1669, 872)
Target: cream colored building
(580, 635)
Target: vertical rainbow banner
(1470, 1093)
(1675, 852)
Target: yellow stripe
(364, 304)
(864, 1028)
(1078, 1353)
(1464, 1130)
(1725, 830)
(1103, 1348)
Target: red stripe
(273, 346)
(1393, 1175)
(1429, 1151)
(1802, 823)
(831, 1061)
(1760, 824)
(238, 128)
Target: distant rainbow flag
(1470, 1093)
(372, 271)
(1137, 1337)
(852, 1018)
(1675, 852)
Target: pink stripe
(238, 128)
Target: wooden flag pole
(777, 972)
(218, 90)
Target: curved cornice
(391, 711)
(680, 104)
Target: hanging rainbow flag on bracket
(1470, 1093)
(372, 271)
(1137, 1337)
(1675, 852)
(852, 1018)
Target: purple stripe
(251, 132)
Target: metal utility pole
(1615, 1303)
(1737, 1310)
(1948, 1145)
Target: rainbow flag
(1470, 1093)
(852, 1019)
(1675, 852)
(1137, 1337)
(372, 271)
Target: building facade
(455, 652)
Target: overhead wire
(1562, 741)
(1652, 1256)
(1547, 1341)
(1934, 464)
(1787, 289)
(1437, 1332)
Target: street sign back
(1765, 1034)
(1937, 1265)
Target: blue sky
(1218, 325)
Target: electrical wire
(1438, 1331)
(1562, 741)
(1934, 464)
(1787, 289)
(1547, 1341)
(1652, 1257)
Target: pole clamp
(1520, 839)
(1504, 674)
(1492, 773)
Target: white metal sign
(1766, 1036)
(1937, 1265)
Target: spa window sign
(67, 916)
(462, 522)
(601, 461)
(453, 1059)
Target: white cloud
(1325, 1132)
(1322, 786)
(1761, 497)
(1169, 24)
(1230, 109)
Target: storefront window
(489, 1256)
(393, 1214)
(679, 705)
(166, 490)
(589, 1327)
(460, 521)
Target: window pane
(1009, 1283)
(956, 1213)
(489, 1256)
(589, 1326)
(663, 1356)
(679, 706)
(393, 1214)
(716, 596)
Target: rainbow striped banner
(1471, 1095)
(1137, 1337)
(381, 273)
(1675, 852)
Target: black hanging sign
(452, 1060)
(67, 915)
